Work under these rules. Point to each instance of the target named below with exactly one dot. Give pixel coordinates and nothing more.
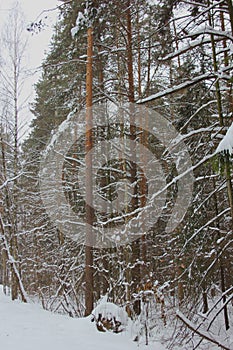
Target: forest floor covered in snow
(29, 327)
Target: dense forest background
(174, 57)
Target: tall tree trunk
(5, 281)
(14, 241)
(227, 167)
(89, 277)
(130, 54)
(230, 10)
(134, 201)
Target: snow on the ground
(29, 327)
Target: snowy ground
(29, 327)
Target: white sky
(37, 43)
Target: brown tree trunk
(227, 167)
(130, 54)
(134, 201)
(89, 277)
(230, 9)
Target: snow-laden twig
(202, 228)
(186, 84)
(220, 310)
(10, 180)
(201, 332)
(178, 87)
(210, 30)
(196, 112)
(191, 45)
(211, 310)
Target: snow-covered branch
(227, 142)
(211, 31)
(185, 85)
(202, 333)
(191, 45)
(178, 87)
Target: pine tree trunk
(134, 201)
(89, 278)
(227, 167)
(230, 9)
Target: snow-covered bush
(109, 317)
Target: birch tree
(13, 46)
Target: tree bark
(89, 277)
(134, 180)
(227, 167)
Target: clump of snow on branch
(84, 19)
(227, 142)
(80, 23)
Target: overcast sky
(33, 10)
(37, 43)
